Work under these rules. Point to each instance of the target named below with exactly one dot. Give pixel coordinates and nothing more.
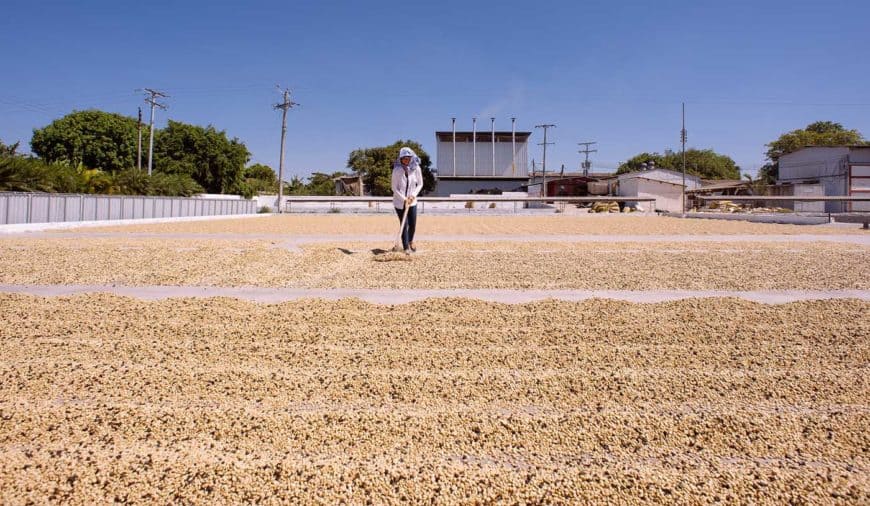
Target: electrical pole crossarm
(151, 99)
(587, 164)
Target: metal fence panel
(38, 209)
(128, 208)
(20, 211)
(18, 207)
(70, 207)
(114, 208)
(104, 209)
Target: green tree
(704, 163)
(321, 183)
(295, 187)
(10, 149)
(820, 133)
(95, 139)
(376, 166)
(756, 186)
(173, 184)
(261, 178)
(28, 174)
(260, 171)
(207, 155)
(634, 163)
(133, 182)
(95, 181)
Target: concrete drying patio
(560, 359)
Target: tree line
(707, 164)
(94, 151)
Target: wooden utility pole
(151, 99)
(683, 140)
(587, 164)
(284, 106)
(544, 161)
(139, 148)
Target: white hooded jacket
(406, 182)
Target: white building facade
(468, 162)
(842, 170)
(664, 185)
(669, 196)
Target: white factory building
(473, 161)
(842, 171)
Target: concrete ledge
(388, 296)
(781, 218)
(854, 218)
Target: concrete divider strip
(387, 296)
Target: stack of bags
(725, 206)
(604, 207)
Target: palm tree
(756, 186)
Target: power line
(587, 164)
(284, 106)
(25, 106)
(544, 162)
(151, 99)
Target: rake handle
(402, 227)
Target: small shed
(668, 195)
(349, 186)
(568, 186)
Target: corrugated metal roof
(724, 184)
(647, 174)
(483, 178)
(656, 180)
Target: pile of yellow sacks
(604, 207)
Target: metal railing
(560, 201)
(19, 208)
(788, 198)
(804, 198)
(853, 216)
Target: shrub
(180, 185)
(34, 175)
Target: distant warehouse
(665, 185)
(472, 162)
(842, 171)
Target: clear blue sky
(369, 73)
